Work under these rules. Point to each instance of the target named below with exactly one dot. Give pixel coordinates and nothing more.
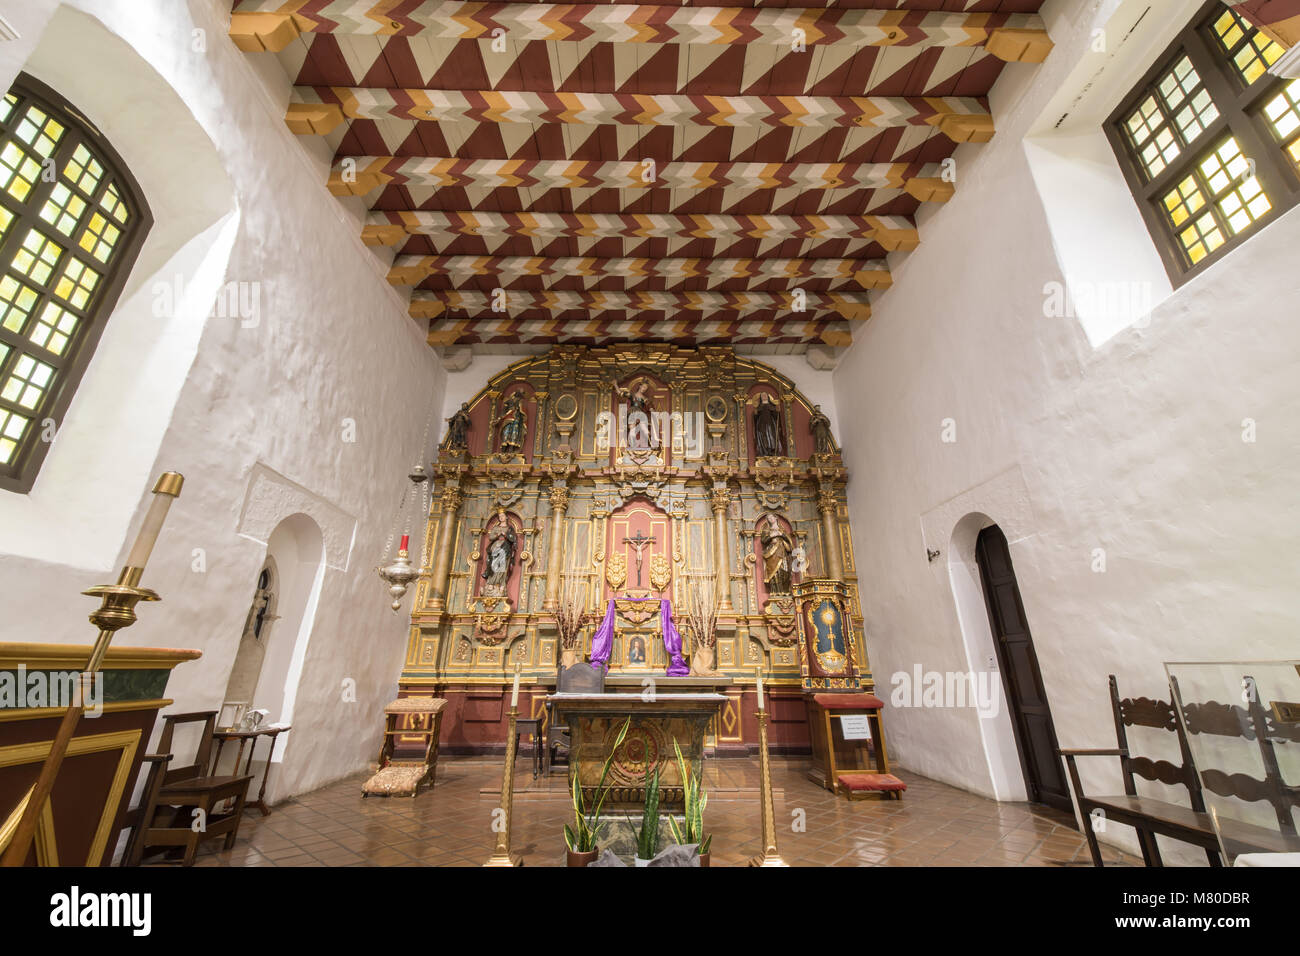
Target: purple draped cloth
(603, 641)
(672, 641)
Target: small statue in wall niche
(820, 427)
(458, 429)
(777, 551)
(768, 442)
(514, 424)
(500, 559)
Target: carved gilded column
(559, 508)
(451, 499)
(827, 505)
(721, 555)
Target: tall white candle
(153, 522)
(514, 694)
(759, 672)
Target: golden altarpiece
(624, 473)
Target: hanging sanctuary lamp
(398, 572)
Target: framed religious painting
(827, 661)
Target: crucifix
(639, 542)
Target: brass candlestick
(116, 611)
(501, 855)
(770, 855)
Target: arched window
(72, 221)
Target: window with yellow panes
(1210, 139)
(71, 223)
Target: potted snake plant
(647, 836)
(696, 800)
(582, 838)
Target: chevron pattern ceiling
(591, 173)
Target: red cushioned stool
(858, 753)
(859, 786)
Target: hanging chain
(400, 514)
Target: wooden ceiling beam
(866, 273)
(254, 24)
(504, 302)
(358, 175)
(318, 110)
(499, 330)
(390, 227)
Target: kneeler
(409, 754)
(841, 764)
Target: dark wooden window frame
(20, 474)
(1239, 116)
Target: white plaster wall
(1134, 446)
(226, 403)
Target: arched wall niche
(297, 548)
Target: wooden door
(1030, 715)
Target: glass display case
(1241, 721)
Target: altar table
(594, 721)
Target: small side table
(249, 738)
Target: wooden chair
(172, 797)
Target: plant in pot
(582, 837)
(647, 836)
(569, 621)
(702, 620)
(692, 831)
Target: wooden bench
(1192, 824)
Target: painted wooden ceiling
(610, 172)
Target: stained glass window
(71, 223)
(1193, 143)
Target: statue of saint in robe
(458, 429)
(514, 424)
(820, 426)
(500, 559)
(767, 427)
(640, 411)
(777, 547)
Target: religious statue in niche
(768, 441)
(458, 429)
(777, 549)
(640, 415)
(500, 558)
(820, 427)
(514, 424)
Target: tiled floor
(933, 825)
